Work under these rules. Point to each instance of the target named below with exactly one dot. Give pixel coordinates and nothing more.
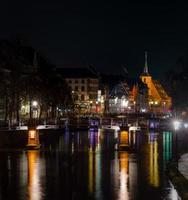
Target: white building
(84, 85)
(119, 99)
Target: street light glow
(176, 124)
(124, 103)
(116, 100)
(185, 125)
(35, 103)
(143, 110)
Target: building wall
(158, 102)
(152, 92)
(85, 92)
(118, 105)
(139, 98)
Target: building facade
(138, 98)
(158, 99)
(118, 102)
(84, 85)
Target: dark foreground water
(86, 165)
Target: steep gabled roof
(120, 90)
(162, 93)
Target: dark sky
(106, 35)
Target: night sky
(107, 35)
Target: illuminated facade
(84, 85)
(138, 98)
(118, 101)
(158, 99)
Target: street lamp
(35, 108)
(176, 125)
(34, 103)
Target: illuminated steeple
(146, 64)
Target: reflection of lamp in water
(33, 175)
(33, 139)
(167, 146)
(90, 171)
(153, 161)
(123, 164)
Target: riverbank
(180, 177)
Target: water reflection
(86, 165)
(167, 146)
(153, 160)
(35, 187)
(94, 176)
(123, 175)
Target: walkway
(183, 165)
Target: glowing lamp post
(34, 109)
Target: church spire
(146, 63)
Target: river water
(88, 165)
